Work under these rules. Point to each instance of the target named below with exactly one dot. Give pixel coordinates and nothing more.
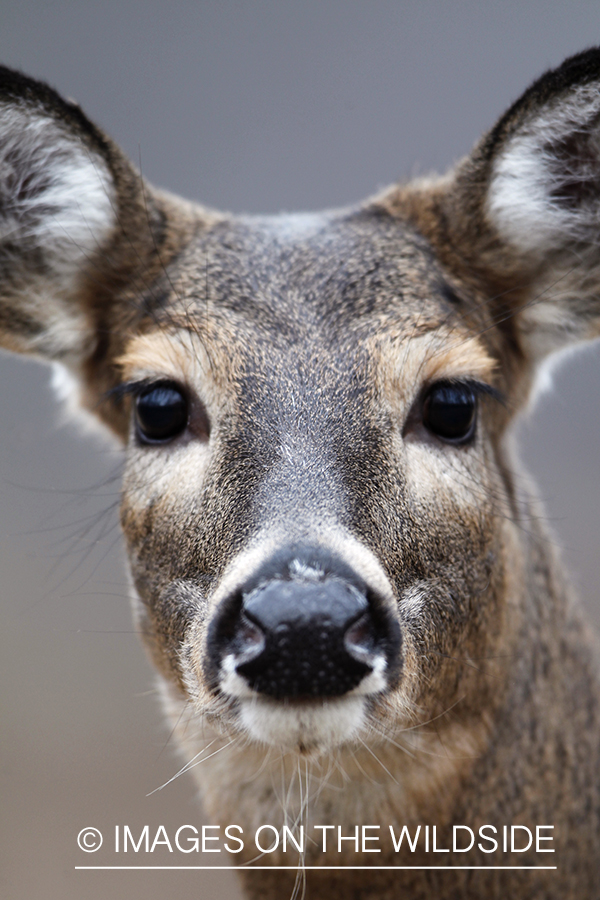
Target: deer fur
(306, 348)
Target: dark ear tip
(15, 85)
(576, 71)
(24, 91)
(579, 69)
(576, 67)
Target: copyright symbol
(89, 839)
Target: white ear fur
(57, 209)
(534, 170)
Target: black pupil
(161, 413)
(449, 411)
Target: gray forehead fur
(328, 265)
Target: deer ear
(541, 168)
(83, 240)
(521, 215)
(58, 212)
(543, 195)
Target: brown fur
(307, 346)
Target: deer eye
(161, 412)
(450, 412)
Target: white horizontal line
(315, 868)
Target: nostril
(360, 640)
(291, 634)
(299, 638)
(249, 640)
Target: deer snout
(295, 639)
(305, 627)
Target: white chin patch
(317, 726)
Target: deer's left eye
(450, 412)
(161, 412)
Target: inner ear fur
(84, 241)
(518, 221)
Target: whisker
(192, 764)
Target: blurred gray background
(254, 106)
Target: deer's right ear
(58, 213)
(82, 238)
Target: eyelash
(444, 426)
(478, 388)
(120, 391)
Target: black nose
(305, 626)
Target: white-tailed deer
(353, 607)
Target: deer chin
(309, 728)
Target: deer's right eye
(161, 413)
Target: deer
(344, 583)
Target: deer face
(310, 499)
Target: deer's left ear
(521, 215)
(543, 193)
